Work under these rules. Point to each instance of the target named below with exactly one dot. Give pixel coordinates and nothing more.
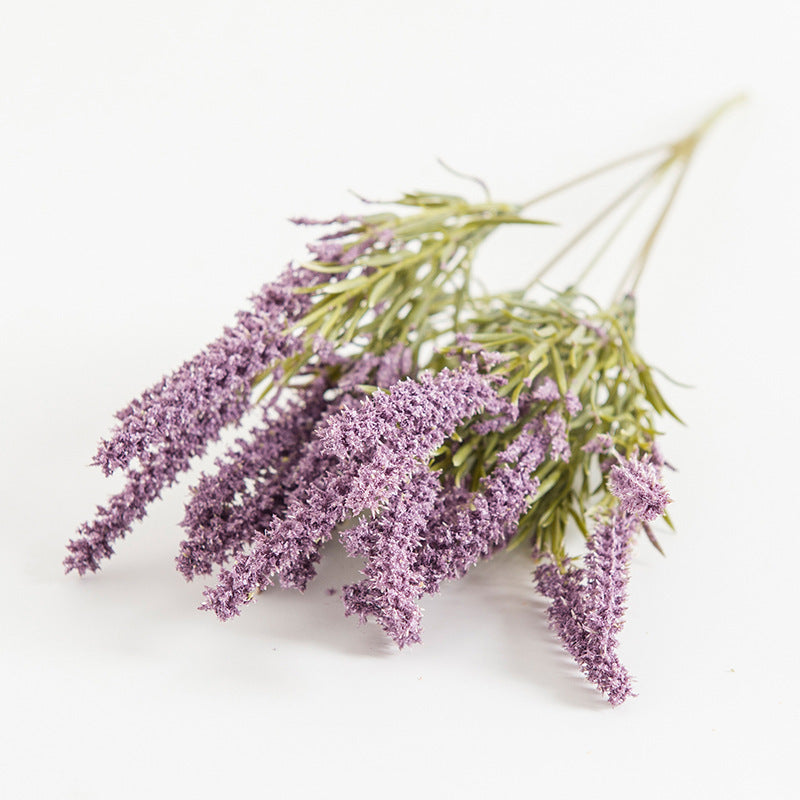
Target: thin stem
(681, 150)
(464, 175)
(595, 221)
(639, 262)
(648, 190)
(593, 174)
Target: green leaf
(380, 289)
(558, 369)
(463, 452)
(347, 285)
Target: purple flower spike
(466, 527)
(602, 443)
(559, 441)
(213, 389)
(175, 420)
(389, 544)
(382, 439)
(330, 250)
(229, 507)
(589, 604)
(372, 450)
(572, 404)
(637, 484)
(115, 519)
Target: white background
(150, 153)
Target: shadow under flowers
(491, 619)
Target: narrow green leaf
(558, 369)
(380, 289)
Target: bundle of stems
(425, 421)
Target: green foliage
(416, 288)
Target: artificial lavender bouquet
(426, 424)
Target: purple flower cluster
(389, 544)
(213, 388)
(637, 484)
(588, 604)
(468, 526)
(228, 507)
(329, 248)
(372, 449)
(175, 420)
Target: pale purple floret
(333, 251)
(212, 390)
(572, 404)
(602, 443)
(545, 390)
(389, 544)
(559, 438)
(637, 484)
(228, 507)
(373, 450)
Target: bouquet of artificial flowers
(424, 423)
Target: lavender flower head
(175, 420)
(372, 448)
(212, 389)
(588, 604)
(637, 484)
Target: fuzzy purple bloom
(429, 533)
(388, 544)
(227, 508)
(175, 420)
(115, 519)
(559, 438)
(372, 450)
(331, 250)
(212, 389)
(602, 443)
(637, 484)
(572, 404)
(381, 440)
(468, 526)
(589, 604)
(546, 390)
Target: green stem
(681, 150)
(594, 222)
(586, 176)
(634, 273)
(647, 191)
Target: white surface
(149, 155)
